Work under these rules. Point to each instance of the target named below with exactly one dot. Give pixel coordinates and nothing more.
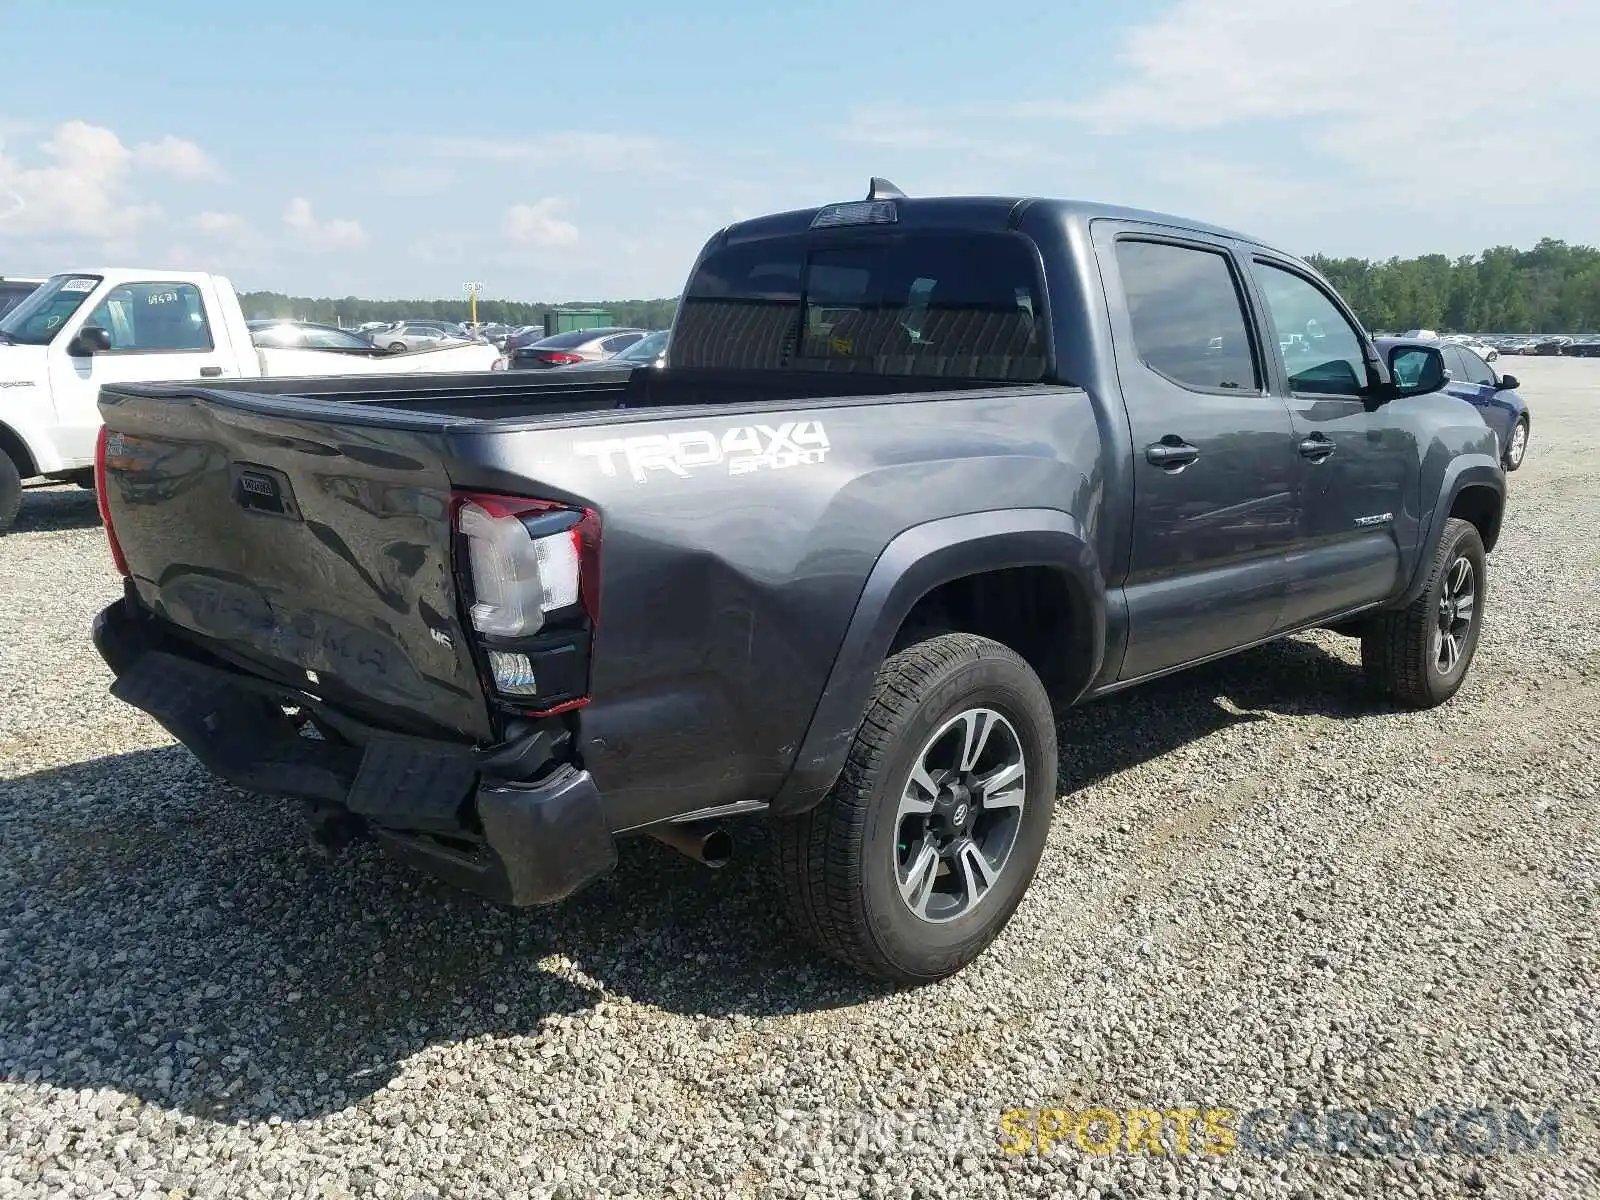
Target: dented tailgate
(315, 549)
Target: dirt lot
(1263, 894)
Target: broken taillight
(533, 574)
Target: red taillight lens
(560, 358)
(103, 501)
(528, 559)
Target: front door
(1215, 471)
(1358, 459)
(159, 332)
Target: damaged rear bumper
(508, 822)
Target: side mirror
(91, 339)
(1416, 371)
(1508, 383)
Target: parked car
(416, 335)
(312, 336)
(495, 333)
(1484, 350)
(14, 289)
(579, 346)
(1547, 347)
(82, 330)
(1586, 347)
(524, 335)
(648, 351)
(845, 580)
(1504, 411)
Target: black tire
(10, 492)
(1399, 652)
(396, 347)
(1506, 460)
(837, 863)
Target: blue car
(1495, 395)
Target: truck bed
(519, 396)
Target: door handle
(210, 372)
(1171, 453)
(1317, 447)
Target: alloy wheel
(1519, 443)
(1458, 600)
(959, 814)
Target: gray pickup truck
(917, 472)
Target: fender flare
(1464, 471)
(913, 564)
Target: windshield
(37, 319)
(646, 348)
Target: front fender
(1462, 472)
(912, 565)
(20, 431)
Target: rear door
(1216, 475)
(1357, 460)
(160, 330)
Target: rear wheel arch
(995, 574)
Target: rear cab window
(929, 304)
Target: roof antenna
(882, 189)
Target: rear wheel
(1419, 655)
(923, 849)
(1516, 445)
(10, 492)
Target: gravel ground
(1261, 892)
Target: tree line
(352, 310)
(1553, 288)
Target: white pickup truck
(83, 329)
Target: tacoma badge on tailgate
(263, 490)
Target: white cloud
(216, 223)
(1407, 94)
(943, 130)
(410, 179)
(176, 156)
(537, 225)
(566, 150)
(305, 225)
(80, 188)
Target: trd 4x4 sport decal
(739, 451)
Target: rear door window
(959, 306)
(1189, 324)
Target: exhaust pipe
(708, 844)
